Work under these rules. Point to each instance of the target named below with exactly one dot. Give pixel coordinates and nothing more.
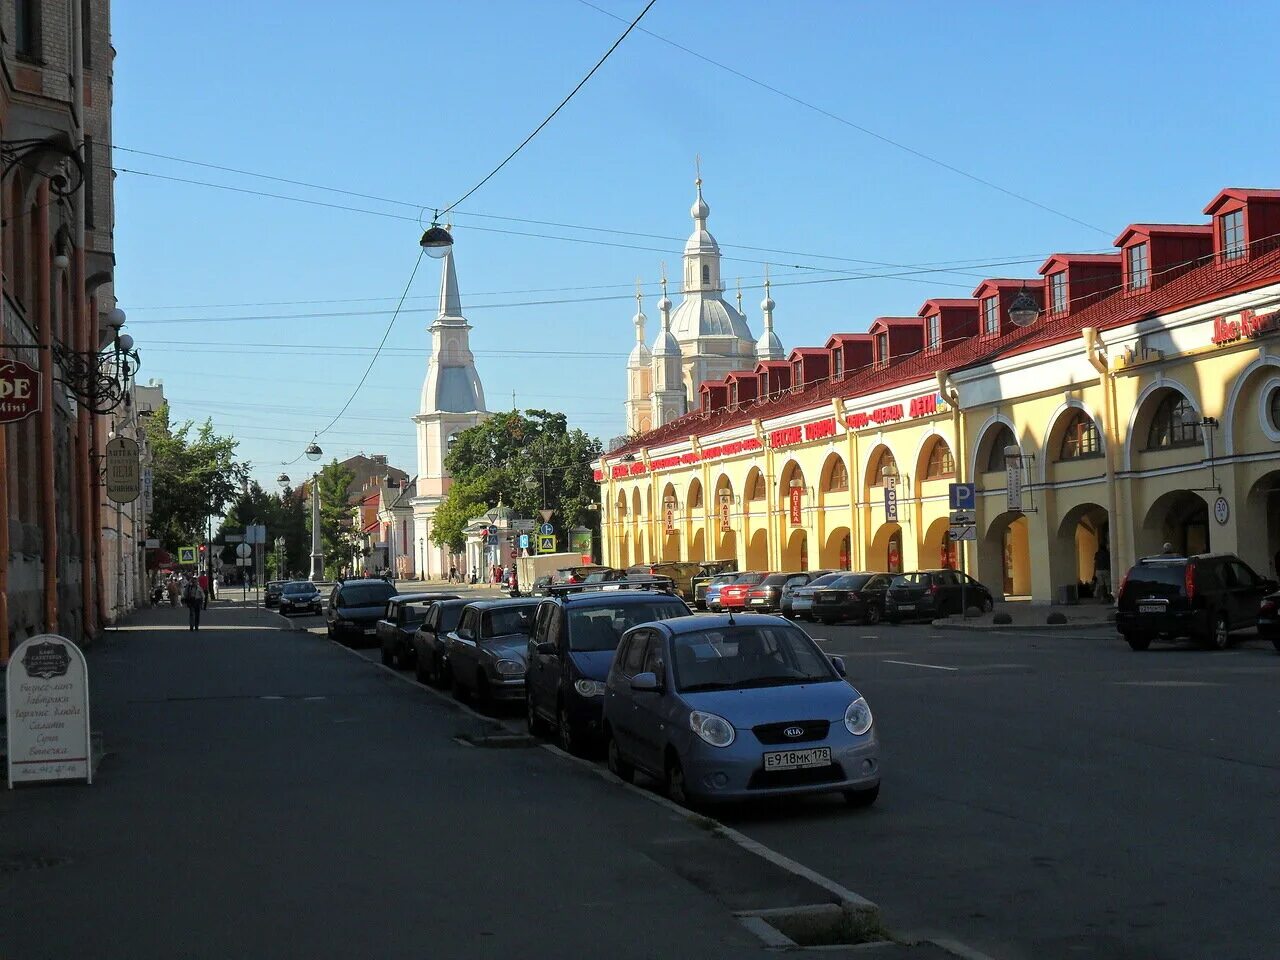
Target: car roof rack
(613, 586)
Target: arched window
(995, 454)
(839, 477)
(695, 496)
(1175, 423)
(756, 488)
(706, 273)
(885, 459)
(941, 463)
(1081, 438)
(1273, 408)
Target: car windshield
(912, 580)
(506, 621)
(416, 612)
(600, 628)
(449, 617)
(824, 581)
(1168, 574)
(854, 582)
(775, 580)
(749, 578)
(741, 657)
(720, 579)
(299, 588)
(366, 594)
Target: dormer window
(933, 326)
(733, 392)
(882, 348)
(837, 363)
(991, 316)
(797, 374)
(1138, 266)
(1058, 292)
(1231, 229)
(706, 275)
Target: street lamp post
(314, 453)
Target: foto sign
(891, 502)
(19, 391)
(47, 686)
(124, 471)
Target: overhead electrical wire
(855, 126)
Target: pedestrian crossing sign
(546, 544)
(186, 554)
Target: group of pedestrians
(191, 591)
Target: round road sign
(244, 551)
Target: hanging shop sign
(47, 690)
(1246, 327)
(924, 406)
(19, 391)
(725, 509)
(796, 516)
(1013, 482)
(890, 502)
(669, 517)
(124, 470)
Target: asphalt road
(1056, 794)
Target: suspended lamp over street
(1024, 309)
(314, 452)
(283, 479)
(436, 241)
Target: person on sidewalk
(193, 599)
(1102, 572)
(204, 590)
(174, 589)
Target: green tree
(336, 525)
(494, 460)
(194, 476)
(283, 514)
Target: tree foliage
(494, 460)
(337, 534)
(284, 515)
(194, 476)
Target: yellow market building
(1130, 399)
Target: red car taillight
(1189, 580)
(933, 588)
(1268, 607)
(1123, 581)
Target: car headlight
(509, 668)
(715, 730)
(589, 688)
(857, 717)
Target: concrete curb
(1023, 628)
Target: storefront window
(756, 487)
(885, 459)
(995, 456)
(1081, 438)
(839, 479)
(941, 463)
(1175, 424)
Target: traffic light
(202, 549)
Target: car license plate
(370, 631)
(758, 600)
(906, 606)
(795, 759)
(1151, 608)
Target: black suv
(571, 649)
(355, 607)
(1205, 596)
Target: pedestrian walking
(193, 599)
(173, 589)
(1102, 572)
(203, 580)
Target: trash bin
(1069, 594)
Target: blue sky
(1108, 113)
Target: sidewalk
(1025, 615)
(265, 793)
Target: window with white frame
(1231, 227)
(1058, 292)
(991, 316)
(933, 327)
(1138, 263)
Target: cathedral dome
(708, 316)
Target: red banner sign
(789, 436)
(925, 406)
(19, 391)
(796, 516)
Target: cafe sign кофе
(19, 391)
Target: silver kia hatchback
(737, 707)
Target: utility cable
(855, 126)
(538, 129)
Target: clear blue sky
(1110, 113)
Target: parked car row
(714, 707)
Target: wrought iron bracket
(64, 178)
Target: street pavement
(1054, 794)
(267, 793)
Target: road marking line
(1165, 683)
(927, 666)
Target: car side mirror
(546, 648)
(838, 663)
(645, 683)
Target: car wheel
(675, 785)
(872, 616)
(1137, 641)
(484, 696)
(420, 671)
(987, 605)
(537, 726)
(328, 629)
(618, 766)
(387, 659)
(1220, 637)
(564, 732)
(460, 693)
(862, 798)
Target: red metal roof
(1005, 283)
(941, 303)
(1240, 193)
(1209, 280)
(894, 322)
(1165, 230)
(1066, 259)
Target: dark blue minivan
(570, 651)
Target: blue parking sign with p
(964, 496)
